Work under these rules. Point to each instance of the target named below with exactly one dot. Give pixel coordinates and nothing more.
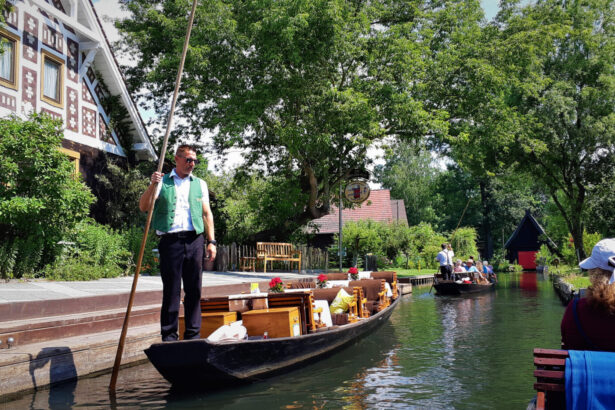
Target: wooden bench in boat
(277, 251)
(356, 310)
(390, 277)
(550, 382)
(337, 276)
(374, 291)
(215, 304)
(303, 283)
(302, 300)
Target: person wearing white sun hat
(589, 322)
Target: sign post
(356, 191)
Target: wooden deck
(417, 280)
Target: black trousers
(181, 258)
(446, 271)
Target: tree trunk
(485, 197)
(577, 237)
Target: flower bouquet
(321, 282)
(354, 273)
(276, 285)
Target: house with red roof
(379, 207)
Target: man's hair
(183, 148)
(443, 246)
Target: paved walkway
(35, 290)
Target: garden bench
(277, 251)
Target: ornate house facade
(56, 59)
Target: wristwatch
(213, 242)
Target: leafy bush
(118, 187)
(544, 256)
(361, 237)
(425, 243)
(589, 240)
(133, 237)
(40, 198)
(20, 257)
(95, 251)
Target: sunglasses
(191, 160)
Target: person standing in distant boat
(450, 258)
(446, 267)
(181, 215)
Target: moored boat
(205, 364)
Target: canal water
(435, 352)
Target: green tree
(361, 237)
(463, 243)
(560, 58)
(304, 87)
(40, 197)
(410, 174)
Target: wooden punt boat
(202, 364)
(449, 287)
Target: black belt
(180, 235)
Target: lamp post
(339, 237)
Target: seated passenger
(489, 272)
(458, 267)
(589, 322)
(472, 270)
(481, 278)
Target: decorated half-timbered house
(57, 60)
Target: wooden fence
(312, 259)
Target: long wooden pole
(460, 219)
(120, 346)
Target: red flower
(275, 285)
(353, 271)
(322, 277)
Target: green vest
(164, 208)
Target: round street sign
(357, 191)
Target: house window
(51, 82)
(74, 158)
(8, 59)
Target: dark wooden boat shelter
(525, 242)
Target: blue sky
(491, 8)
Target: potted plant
(354, 273)
(321, 281)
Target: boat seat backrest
(329, 294)
(337, 276)
(371, 287)
(550, 378)
(301, 284)
(390, 277)
(215, 304)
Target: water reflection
(435, 352)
